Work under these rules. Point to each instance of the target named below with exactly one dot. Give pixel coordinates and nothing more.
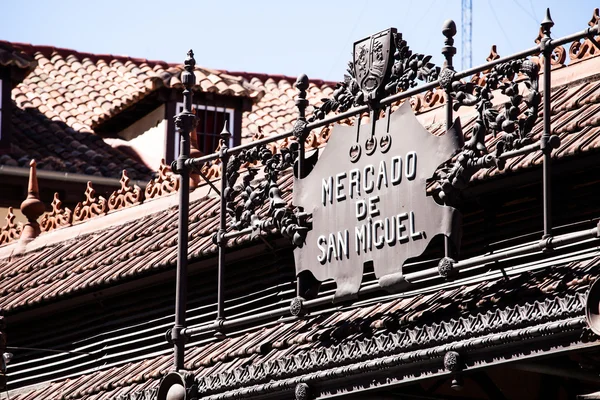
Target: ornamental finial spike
(595, 18)
(225, 134)
(32, 207)
(493, 54)
(187, 77)
(449, 28)
(547, 23)
(190, 62)
(302, 82)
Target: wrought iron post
(449, 31)
(300, 135)
(221, 239)
(184, 123)
(545, 145)
(299, 130)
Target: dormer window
(211, 120)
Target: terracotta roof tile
(112, 84)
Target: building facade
(473, 278)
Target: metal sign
(369, 204)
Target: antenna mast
(467, 35)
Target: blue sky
(278, 37)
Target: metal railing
(448, 80)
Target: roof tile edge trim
(166, 183)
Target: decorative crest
(91, 207)
(371, 64)
(165, 183)
(515, 126)
(580, 50)
(479, 78)
(10, 231)
(56, 218)
(382, 65)
(126, 196)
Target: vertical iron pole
(184, 122)
(545, 145)
(449, 31)
(300, 133)
(301, 102)
(221, 241)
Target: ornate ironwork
(245, 210)
(302, 391)
(452, 361)
(511, 123)
(296, 306)
(446, 267)
(394, 348)
(367, 83)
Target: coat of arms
(372, 58)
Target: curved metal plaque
(371, 206)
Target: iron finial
(449, 30)
(595, 21)
(302, 82)
(493, 54)
(547, 23)
(190, 62)
(187, 76)
(225, 134)
(301, 102)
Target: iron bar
(449, 31)
(589, 32)
(545, 147)
(184, 122)
(519, 152)
(212, 185)
(234, 234)
(199, 162)
(544, 244)
(504, 156)
(300, 133)
(405, 95)
(522, 54)
(221, 240)
(479, 261)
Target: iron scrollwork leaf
(510, 122)
(244, 199)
